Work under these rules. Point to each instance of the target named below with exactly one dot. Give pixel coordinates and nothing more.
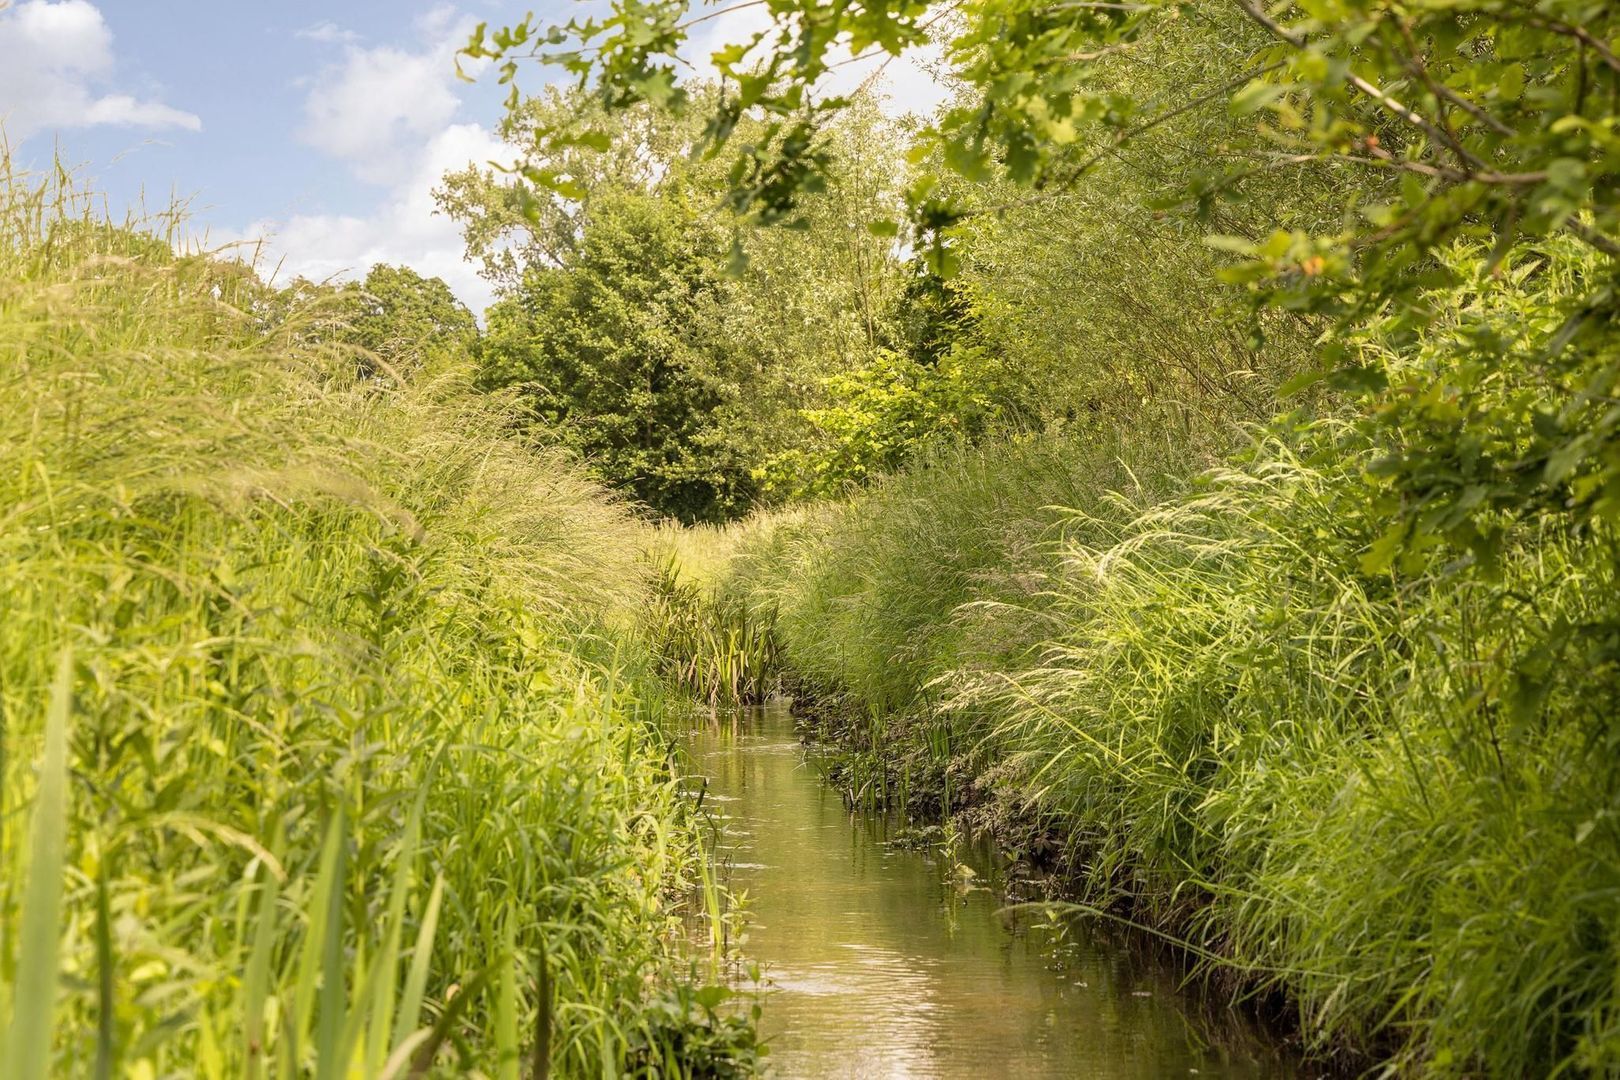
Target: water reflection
(883, 963)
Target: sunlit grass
(323, 749)
(1387, 797)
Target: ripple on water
(877, 965)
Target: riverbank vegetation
(1192, 454)
(327, 748)
(1230, 508)
(1381, 798)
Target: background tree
(1485, 123)
(681, 353)
(403, 322)
(599, 348)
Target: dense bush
(641, 326)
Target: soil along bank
(1385, 794)
(321, 753)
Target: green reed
(714, 648)
(1384, 799)
(321, 752)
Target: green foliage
(689, 1032)
(885, 413)
(1500, 112)
(405, 323)
(599, 348)
(714, 648)
(313, 724)
(511, 225)
(995, 347)
(867, 592)
(1341, 763)
(1388, 796)
(1340, 713)
(641, 329)
(1479, 123)
(1502, 410)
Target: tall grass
(714, 646)
(324, 751)
(1389, 798)
(939, 570)
(718, 651)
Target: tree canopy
(1373, 167)
(678, 351)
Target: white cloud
(53, 58)
(123, 110)
(904, 83)
(376, 108)
(442, 22)
(405, 230)
(388, 113)
(328, 32)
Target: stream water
(881, 961)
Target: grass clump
(710, 643)
(935, 571)
(717, 650)
(324, 750)
(1381, 794)
(1369, 791)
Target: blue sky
(249, 78)
(317, 128)
(320, 126)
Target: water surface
(882, 961)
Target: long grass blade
(28, 1040)
(410, 1000)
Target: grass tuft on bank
(1385, 795)
(325, 747)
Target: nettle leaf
(941, 260)
(1358, 379)
(1564, 460)
(726, 58)
(1380, 556)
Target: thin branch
(1596, 239)
(1472, 109)
(1124, 137)
(1438, 172)
(1203, 99)
(925, 25)
(1414, 63)
(1580, 34)
(723, 11)
(1096, 54)
(1422, 123)
(1475, 164)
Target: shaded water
(885, 962)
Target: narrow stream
(887, 962)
